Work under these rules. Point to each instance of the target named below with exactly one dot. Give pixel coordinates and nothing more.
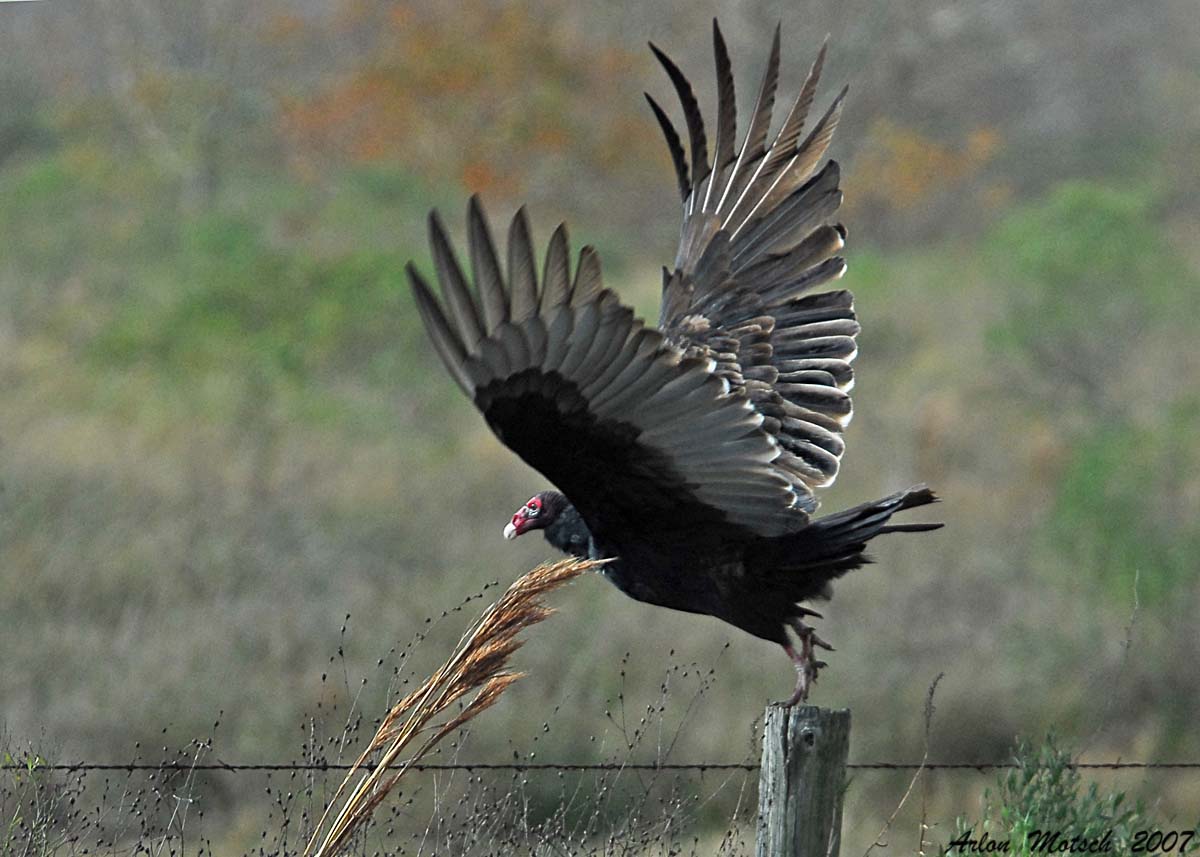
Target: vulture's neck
(569, 533)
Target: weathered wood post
(802, 780)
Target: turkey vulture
(687, 454)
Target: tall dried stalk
(479, 662)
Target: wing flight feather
(734, 408)
(758, 240)
(606, 408)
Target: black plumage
(687, 453)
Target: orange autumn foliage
(490, 94)
(902, 168)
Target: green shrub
(1120, 507)
(1043, 803)
(242, 305)
(1098, 300)
(1087, 253)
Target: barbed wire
(519, 767)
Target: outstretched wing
(637, 434)
(757, 242)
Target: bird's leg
(804, 660)
(802, 677)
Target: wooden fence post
(802, 780)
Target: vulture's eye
(532, 511)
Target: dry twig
(879, 840)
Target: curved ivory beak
(510, 531)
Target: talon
(817, 641)
(807, 666)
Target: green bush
(1120, 507)
(241, 305)
(1099, 297)
(1087, 261)
(1043, 803)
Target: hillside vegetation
(233, 475)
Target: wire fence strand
(518, 767)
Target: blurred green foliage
(244, 306)
(1099, 291)
(23, 124)
(1045, 794)
(1088, 235)
(1091, 269)
(1122, 509)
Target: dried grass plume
(478, 665)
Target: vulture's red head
(539, 512)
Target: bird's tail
(830, 546)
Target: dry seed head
(479, 663)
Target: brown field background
(234, 477)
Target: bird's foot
(805, 659)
